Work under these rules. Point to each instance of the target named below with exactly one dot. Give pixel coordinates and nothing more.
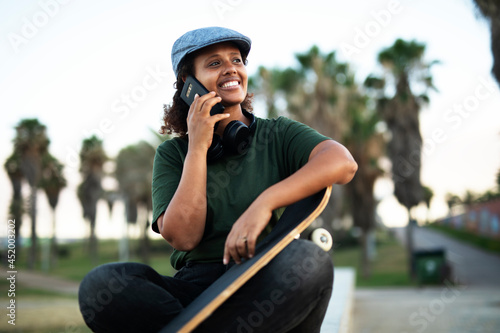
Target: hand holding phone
(192, 87)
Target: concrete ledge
(339, 312)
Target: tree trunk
(365, 258)
(93, 243)
(410, 246)
(33, 250)
(123, 246)
(49, 248)
(53, 242)
(145, 243)
(17, 213)
(333, 211)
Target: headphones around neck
(235, 140)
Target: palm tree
(367, 145)
(31, 144)
(428, 194)
(491, 10)
(16, 210)
(452, 200)
(404, 66)
(314, 95)
(322, 93)
(270, 84)
(134, 166)
(52, 183)
(92, 159)
(498, 181)
(469, 198)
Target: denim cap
(197, 39)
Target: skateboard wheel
(322, 238)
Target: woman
(217, 189)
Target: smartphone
(192, 87)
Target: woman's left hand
(329, 163)
(241, 241)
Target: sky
(95, 67)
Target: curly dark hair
(175, 115)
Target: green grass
(49, 316)
(54, 314)
(27, 291)
(69, 328)
(470, 238)
(76, 262)
(389, 268)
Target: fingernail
(224, 261)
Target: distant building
(482, 219)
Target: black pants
(290, 294)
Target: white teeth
(230, 84)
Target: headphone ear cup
(236, 137)
(216, 150)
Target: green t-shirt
(279, 147)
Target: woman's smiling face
(220, 68)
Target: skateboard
(294, 220)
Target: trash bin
(430, 265)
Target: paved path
(44, 313)
(470, 265)
(427, 310)
(46, 282)
(473, 306)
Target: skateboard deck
(294, 220)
